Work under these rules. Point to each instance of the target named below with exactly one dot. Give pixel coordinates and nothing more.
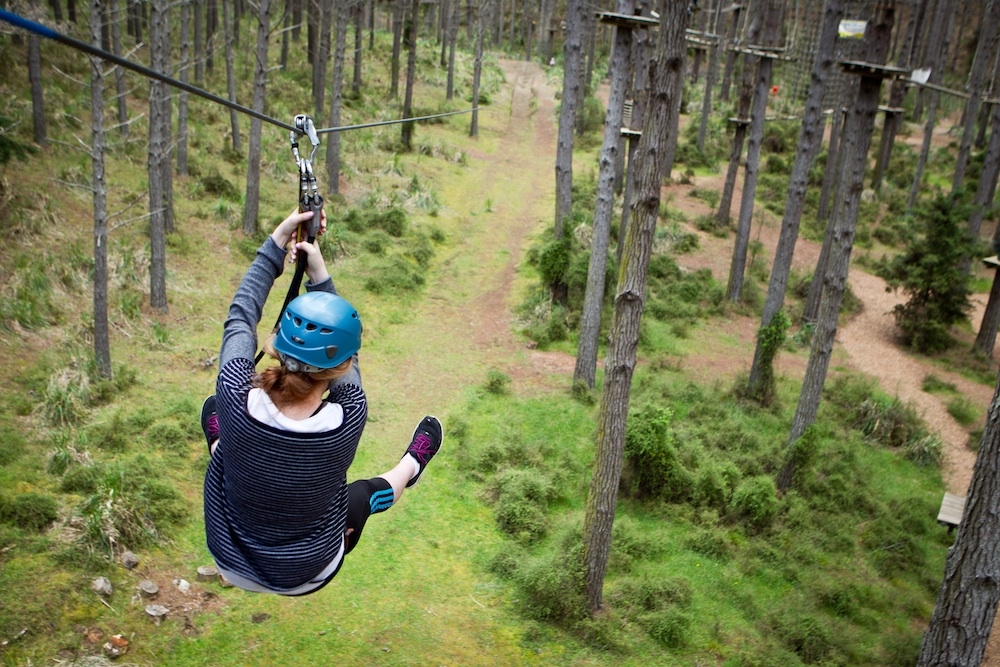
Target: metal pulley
(309, 197)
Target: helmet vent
(326, 330)
(297, 320)
(311, 327)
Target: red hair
(285, 388)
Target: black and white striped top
(275, 501)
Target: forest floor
(868, 342)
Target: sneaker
(425, 444)
(209, 421)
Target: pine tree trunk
(967, 599)
(986, 49)
(740, 132)
(639, 65)
(157, 147)
(199, 40)
(572, 55)
(410, 41)
(451, 39)
(590, 319)
(706, 101)
(986, 338)
(252, 198)
(397, 32)
(727, 73)
(810, 141)
(102, 338)
(445, 25)
(477, 74)
(665, 86)
(356, 82)
(211, 23)
(38, 122)
(737, 267)
(182, 98)
(325, 9)
(120, 92)
(234, 118)
(857, 140)
(336, 99)
(832, 159)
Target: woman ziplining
(279, 514)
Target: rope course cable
(48, 33)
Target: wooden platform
(952, 509)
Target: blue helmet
(318, 330)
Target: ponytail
(284, 387)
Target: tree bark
(572, 56)
(120, 92)
(967, 599)
(986, 48)
(713, 72)
(397, 32)
(410, 41)
(252, 198)
(451, 39)
(666, 75)
(740, 132)
(356, 82)
(590, 320)
(986, 338)
(182, 98)
(38, 122)
(639, 65)
(810, 141)
(199, 40)
(234, 118)
(737, 267)
(477, 74)
(102, 339)
(727, 73)
(857, 140)
(157, 147)
(325, 9)
(897, 93)
(336, 99)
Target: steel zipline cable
(48, 33)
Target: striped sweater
(275, 501)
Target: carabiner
(309, 197)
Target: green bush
(497, 382)
(551, 587)
(711, 542)
(554, 260)
(651, 452)
(963, 410)
(395, 275)
(804, 634)
(168, 435)
(29, 511)
(653, 594)
(755, 501)
(215, 184)
(714, 484)
(669, 627)
(522, 497)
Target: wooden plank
(952, 509)
(992, 262)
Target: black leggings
(364, 498)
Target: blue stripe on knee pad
(380, 501)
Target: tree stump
(148, 589)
